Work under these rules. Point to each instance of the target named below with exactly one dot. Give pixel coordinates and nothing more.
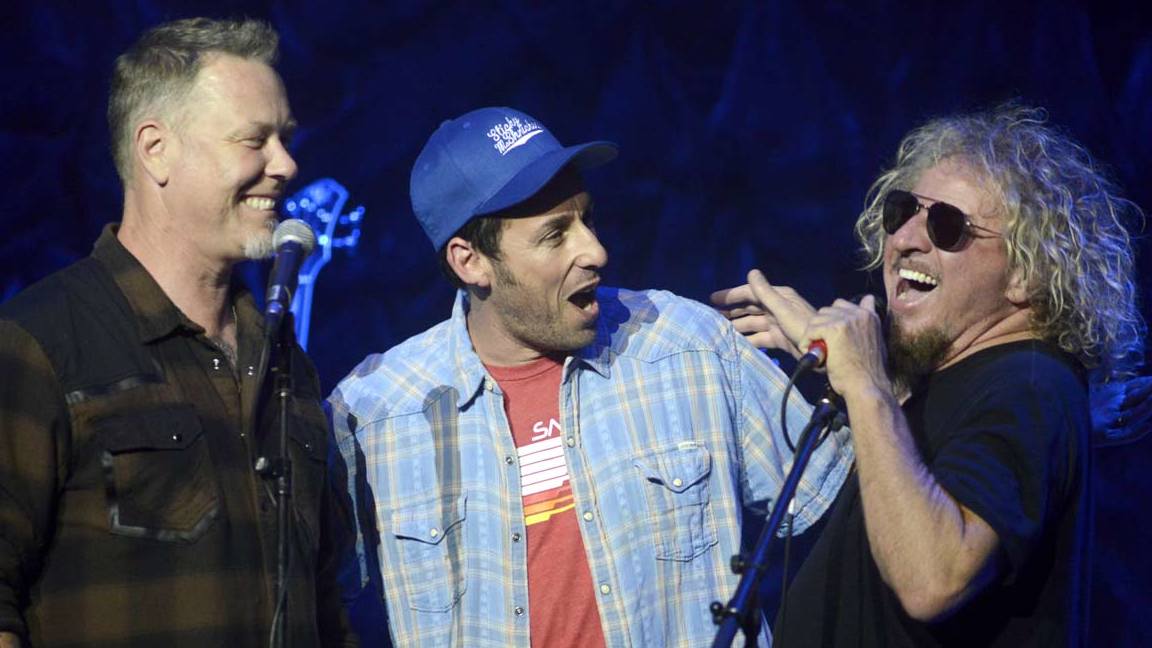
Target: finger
(781, 301)
(1137, 390)
(1137, 412)
(755, 324)
(734, 296)
(764, 292)
(773, 340)
(848, 307)
(742, 311)
(734, 314)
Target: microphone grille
(294, 230)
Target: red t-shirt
(562, 600)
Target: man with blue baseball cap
(558, 463)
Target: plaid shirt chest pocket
(158, 477)
(677, 492)
(429, 535)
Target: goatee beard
(258, 247)
(912, 356)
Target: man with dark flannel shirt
(130, 513)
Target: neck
(1015, 327)
(490, 339)
(196, 284)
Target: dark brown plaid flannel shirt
(130, 513)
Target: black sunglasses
(949, 228)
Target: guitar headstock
(321, 205)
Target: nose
(280, 165)
(592, 254)
(912, 235)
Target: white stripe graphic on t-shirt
(543, 466)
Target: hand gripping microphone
(817, 353)
(815, 357)
(293, 240)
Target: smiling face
(541, 295)
(230, 162)
(944, 305)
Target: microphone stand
(280, 468)
(742, 612)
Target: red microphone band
(818, 352)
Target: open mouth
(914, 283)
(584, 299)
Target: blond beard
(913, 356)
(259, 246)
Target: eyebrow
(558, 221)
(930, 198)
(286, 130)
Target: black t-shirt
(1005, 433)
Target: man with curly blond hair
(1009, 276)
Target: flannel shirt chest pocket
(158, 477)
(678, 496)
(430, 537)
(308, 448)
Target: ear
(1016, 291)
(153, 145)
(473, 268)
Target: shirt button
(571, 442)
(433, 532)
(605, 588)
(677, 482)
(588, 516)
(518, 610)
(216, 364)
(515, 537)
(509, 460)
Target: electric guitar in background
(321, 205)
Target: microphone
(815, 358)
(817, 353)
(293, 241)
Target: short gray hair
(160, 68)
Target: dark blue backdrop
(749, 133)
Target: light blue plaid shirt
(670, 426)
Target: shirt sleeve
(355, 576)
(360, 577)
(34, 429)
(1012, 460)
(766, 456)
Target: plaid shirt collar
(157, 317)
(470, 372)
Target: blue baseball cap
(486, 161)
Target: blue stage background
(749, 133)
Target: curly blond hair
(1063, 226)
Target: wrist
(869, 394)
